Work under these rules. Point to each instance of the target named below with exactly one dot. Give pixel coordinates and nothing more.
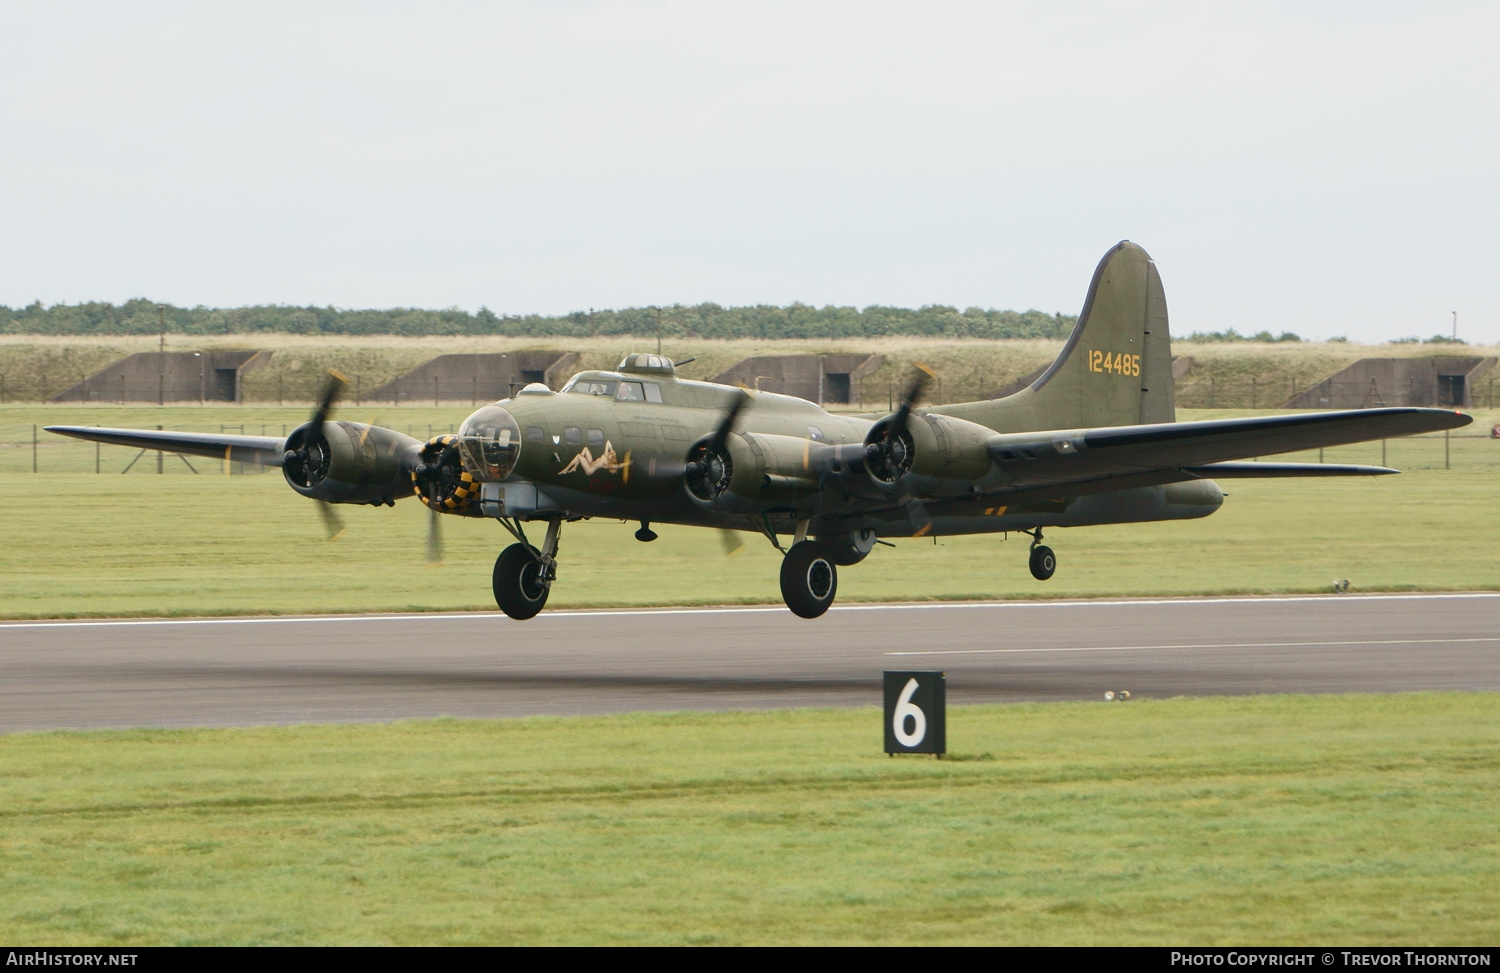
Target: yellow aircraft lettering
(1115, 363)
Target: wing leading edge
(266, 450)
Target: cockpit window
(591, 387)
(653, 392)
(630, 392)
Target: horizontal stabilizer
(1211, 440)
(1083, 454)
(265, 450)
(1252, 471)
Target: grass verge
(1360, 819)
(213, 545)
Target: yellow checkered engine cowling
(450, 497)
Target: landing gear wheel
(809, 579)
(520, 589)
(1043, 562)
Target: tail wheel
(809, 579)
(1043, 562)
(520, 588)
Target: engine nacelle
(347, 462)
(750, 468)
(934, 456)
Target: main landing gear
(809, 579)
(524, 575)
(810, 570)
(1043, 561)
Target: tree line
(141, 316)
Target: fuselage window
(653, 392)
(815, 433)
(573, 435)
(596, 438)
(535, 434)
(630, 392)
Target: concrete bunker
(1440, 382)
(824, 379)
(476, 378)
(171, 376)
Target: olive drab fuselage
(612, 444)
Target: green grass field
(1350, 819)
(81, 544)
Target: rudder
(1114, 370)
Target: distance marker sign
(916, 712)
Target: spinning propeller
(890, 457)
(307, 459)
(709, 469)
(437, 476)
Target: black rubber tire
(518, 590)
(1043, 562)
(809, 579)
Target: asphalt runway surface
(244, 671)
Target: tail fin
(1115, 370)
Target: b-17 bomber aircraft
(1094, 440)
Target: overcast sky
(1322, 168)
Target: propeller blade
(918, 515)
(672, 468)
(732, 541)
(726, 424)
(336, 380)
(434, 537)
(331, 520)
(909, 396)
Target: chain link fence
(1272, 393)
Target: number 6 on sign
(905, 710)
(915, 712)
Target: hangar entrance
(531, 376)
(836, 387)
(223, 390)
(1450, 390)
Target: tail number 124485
(1114, 363)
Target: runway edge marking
(748, 609)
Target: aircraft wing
(1194, 447)
(266, 450)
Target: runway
(245, 671)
